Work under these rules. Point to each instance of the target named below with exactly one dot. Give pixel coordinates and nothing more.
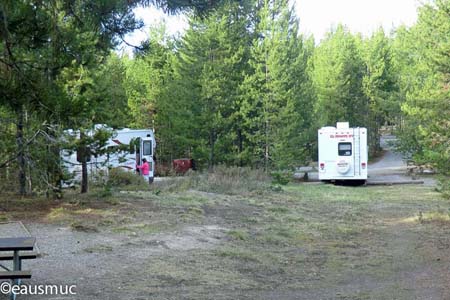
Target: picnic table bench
(15, 245)
(303, 172)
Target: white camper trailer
(135, 145)
(342, 153)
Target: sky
(316, 17)
(365, 16)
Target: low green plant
(233, 180)
(119, 177)
(221, 180)
(239, 235)
(281, 177)
(276, 188)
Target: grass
(238, 235)
(315, 236)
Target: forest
(240, 87)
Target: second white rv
(343, 153)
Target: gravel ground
(107, 265)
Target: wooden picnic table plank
(15, 274)
(16, 244)
(22, 255)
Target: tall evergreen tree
(380, 87)
(426, 84)
(338, 73)
(277, 98)
(212, 60)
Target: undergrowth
(222, 180)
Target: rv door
(146, 149)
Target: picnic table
(16, 245)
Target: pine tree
(337, 75)
(380, 86)
(425, 82)
(277, 102)
(212, 60)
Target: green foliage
(213, 57)
(281, 178)
(242, 87)
(118, 178)
(277, 96)
(424, 67)
(233, 181)
(380, 87)
(52, 62)
(338, 72)
(46, 52)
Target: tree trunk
(83, 160)
(21, 154)
(266, 147)
(240, 147)
(54, 169)
(211, 150)
(374, 136)
(84, 177)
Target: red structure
(182, 165)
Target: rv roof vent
(342, 125)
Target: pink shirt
(145, 168)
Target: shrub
(281, 177)
(119, 177)
(222, 180)
(444, 186)
(233, 180)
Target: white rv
(342, 153)
(135, 145)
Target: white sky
(365, 16)
(316, 16)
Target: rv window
(147, 148)
(345, 149)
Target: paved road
(392, 167)
(391, 162)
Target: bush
(119, 177)
(164, 170)
(281, 177)
(233, 180)
(444, 186)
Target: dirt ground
(308, 241)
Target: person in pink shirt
(145, 169)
